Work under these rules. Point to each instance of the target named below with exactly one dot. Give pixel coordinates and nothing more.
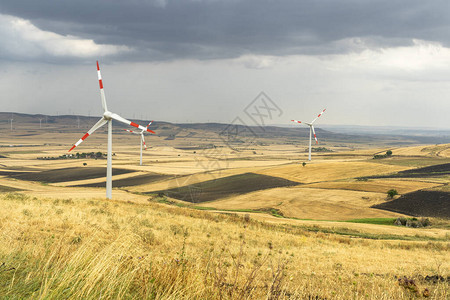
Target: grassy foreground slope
(63, 248)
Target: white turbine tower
(311, 130)
(107, 118)
(141, 133)
(11, 120)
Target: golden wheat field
(217, 223)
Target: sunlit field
(220, 223)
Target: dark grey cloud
(206, 29)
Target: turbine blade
(312, 127)
(296, 121)
(102, 92)
(318, 116)
(125, 121)
(143, 141)
(97, 125)
(151, 131)
(131, 131)
(150, 123)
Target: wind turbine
(12, 119)
(311, 129)
(142, 138)
(40, 123)
(107, 119)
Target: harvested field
(413, 161)
(67, 174)
(420, 150)
(375, 185)
(430, 171)
(131, 181)
(443, 168)
(12, 173)
(7, 189)
(224, 187)
(420, 204)
(309, 203)
(329, 171)
(438, 150)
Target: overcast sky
(368, 62)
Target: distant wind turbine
(40, 123)
(311, 130)
(142, 138)
(107, 119)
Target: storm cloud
(369, 62)
(211, 29)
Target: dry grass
(103, 249)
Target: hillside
(202, 219)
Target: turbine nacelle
(107, 115)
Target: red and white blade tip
(322, 112)
(296, 121)
(98, 67)
(79, 141)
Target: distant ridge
(326, 133)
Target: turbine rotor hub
(107, 115)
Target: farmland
(204, 222)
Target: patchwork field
(182, 222)
(337, 186)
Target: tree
(392, 192)
(84, 164)
(388, 153)
(303, 164)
